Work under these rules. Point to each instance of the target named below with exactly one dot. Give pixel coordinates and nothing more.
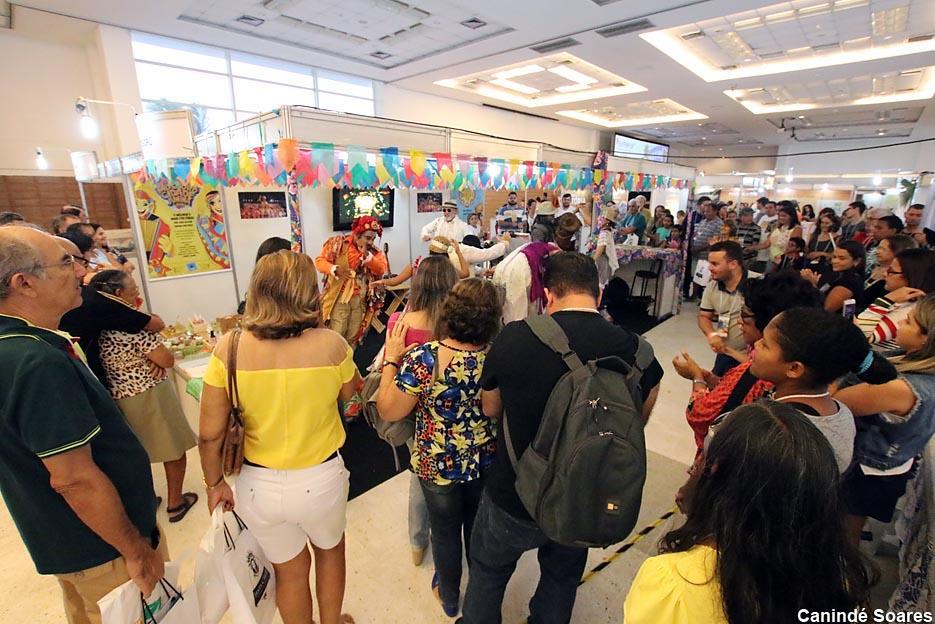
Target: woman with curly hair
(764, 535)
(454, 441)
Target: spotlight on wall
(877, 180)
(41, 162)
(88, 124)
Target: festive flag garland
(320, 166)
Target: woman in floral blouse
(454, 441)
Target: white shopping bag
(184, 608)
(209, 571)
(251, 583)
(125, 604)
(702, 273)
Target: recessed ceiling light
(570, 74)
(250, 20)
(381, 55)
(474, 23)
(519, 71)
(514, 86)
(572, 88)
(780, 16)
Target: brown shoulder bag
(232, 451)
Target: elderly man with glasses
(73, 475)
(448, 225)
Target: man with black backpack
(570, 446)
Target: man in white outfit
(447, 225)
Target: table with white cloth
(666, 289)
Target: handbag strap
(232, 392)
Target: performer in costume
(348, 264)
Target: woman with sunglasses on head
(764, 533)
(910, 276)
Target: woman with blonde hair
(293, 486)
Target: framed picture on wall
(266, 205)
(429, 202)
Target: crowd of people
(814, 415)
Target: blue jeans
(418, 514)
(451, 511)
(499, 541)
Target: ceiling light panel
(636, 114)
(799, 35)
(870, 89)
(552, 80)
(384, 33)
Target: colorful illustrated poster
(182, 227)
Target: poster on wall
(182, 227)
(429, 202)
(469, 200)
(271, 205)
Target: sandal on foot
(188, 501)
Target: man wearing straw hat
(348, 264)
(448, 225)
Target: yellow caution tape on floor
(627, 545)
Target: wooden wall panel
(40, 199)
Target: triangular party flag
(323, 157)
(390, 160)
(288, 151)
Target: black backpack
(581, 479)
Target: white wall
(399, 103)
(45, 68)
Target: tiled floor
(383, 586)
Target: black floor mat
(368, 458)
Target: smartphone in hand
(849, 308)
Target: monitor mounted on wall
(347, 204)
(629, 147)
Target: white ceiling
(791, 54)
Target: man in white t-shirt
(719, 315)
(447, 225)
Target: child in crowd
(675, 237)
(794, 258)
(801, 352)
(664, 230)
(900, 420)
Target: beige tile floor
(383, 586)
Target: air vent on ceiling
(728, 67)
(918, 38)
(554, 46)
(249, 20)
(604, 2)
(474, 23)
(692, 35)
(380, 55)
(615, 30)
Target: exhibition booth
(301, 173)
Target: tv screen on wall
(347, 204)
(628, 147)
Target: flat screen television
(628, 147)
(347, 204)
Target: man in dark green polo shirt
(75, 479)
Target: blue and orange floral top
(454, 441)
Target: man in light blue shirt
(634, 222)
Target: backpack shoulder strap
(551, 334)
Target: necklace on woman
(802, 396)
(448, 346)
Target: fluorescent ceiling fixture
(925, 91)
(519, 71)
(572, 88)
(850, 4)
(816, 9)
(797, 50)
(552, 100)
(514, 86)
(634, 121)
(747, 23)
(855, 176)
(781, 16)
(447, 82)
(669, 43)
(570, 74)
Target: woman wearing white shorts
(293, 486)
